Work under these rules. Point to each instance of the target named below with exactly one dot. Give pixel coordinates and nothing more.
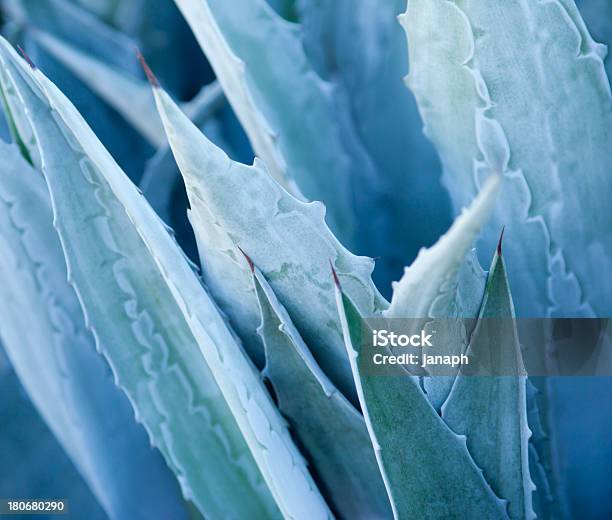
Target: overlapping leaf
(545, 122)
(234, 204)
(427, 469)
(55, 357)
(490, 408)
(331, 431)
(191, 385)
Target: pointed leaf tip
(501, 239)
(26, 57)
(248, 259)
(335, 275)
(147, 70)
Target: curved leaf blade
(491, 410)
(182, 367)
(330, 429)
(427, 469)
(237, 205)
(55, 357)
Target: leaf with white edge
(446, 282)
(551, 498)
(490, 408)
(289, 113)
(331, 431)
(427, 469)
(18, 124)
(199, 397)
(131, 97)
(233, 204)
(56, 360)
(545, 123)
(433, 275)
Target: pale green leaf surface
(491, 410)
(287, 110)
(332, 432)
(238, 205)
(70, 384)
(433, 275)
(545, 122)
(445, 281)
(194, 389)
(427, 469)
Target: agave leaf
(183, 370)
(446, 282)
(358, 46)
(426, 467)
(490, 409)
(18, 124)
(319, 415)
(287, 110)
(433, 275)
(234, 204)
(545, 122)
(55, 357)
(131, 97)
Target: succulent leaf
(54, 355)
(233, 204)
(332, 432)
(446, 281)
(480, 114)
(183, 369)
(436, 477)
(491, 409)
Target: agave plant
(190, 323)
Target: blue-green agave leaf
(491, 410)
(55, 357)
(545, 123)
(446, 281)
(289, 113)
(18, 124)
(427, 469)
(200, 399)
(358, 46)
(233, 204)
(330, 430)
